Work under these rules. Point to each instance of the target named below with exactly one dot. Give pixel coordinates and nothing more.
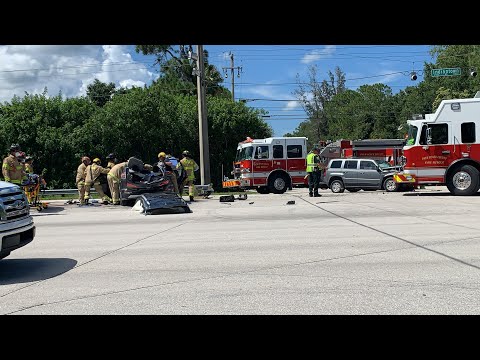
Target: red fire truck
(278, 163)
(389, 150)
(442, 148)
(269, 165)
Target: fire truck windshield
(412, 135)
(245, 153)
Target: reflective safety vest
(189, 165)
(311, 162)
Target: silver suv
(16, 223)
(357, 174)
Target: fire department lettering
(434, 160)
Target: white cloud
(130, 83)
(67, 68)
(291, 105)
(318, 54)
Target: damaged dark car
(152, 186)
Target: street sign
(446, 72)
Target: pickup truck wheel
(390, 185)
(337, 186)
(278, 184)
(263, 190)
(463, 180)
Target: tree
(447, 94)
(177, 70)
(314, 95)
(99, 92)
(465, 57)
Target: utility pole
(232, 68)
(202, 119)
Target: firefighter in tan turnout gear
(93, 171)
(111, 160)
(80, 179)
(12, 170)
(189, 166)
(113, 178)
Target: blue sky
(269, 71)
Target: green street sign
(447, 72)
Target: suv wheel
(337, 186)
(390, 185)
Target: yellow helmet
(162, 154)
(97, 160)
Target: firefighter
(93, 171)
(80, 179)
(28, 165)
(12, 169)
(164, 164)
(113, 178)
(313, 172)
(112, 160)
(189, 166)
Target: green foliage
(99, 92)
(314, 96)
(44, 128)
(447, 94)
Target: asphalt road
(350, 253)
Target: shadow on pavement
(14, 271)
(51, 210)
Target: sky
(267, 78)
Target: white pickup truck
(16, 224)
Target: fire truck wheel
(390, 185)
(278, 184)
(463, 180)
(263, 190)
(337, 186)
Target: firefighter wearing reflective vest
(189, 166)
(93, 171)
(313, 172)
(80, 179)
(12, 170)
(113, 178)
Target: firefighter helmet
(97, 160)
(162, 154)
(111, 156)
(86, 159)
(14, 147)
(186, 153)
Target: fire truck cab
(269, 165)
(443, 148)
